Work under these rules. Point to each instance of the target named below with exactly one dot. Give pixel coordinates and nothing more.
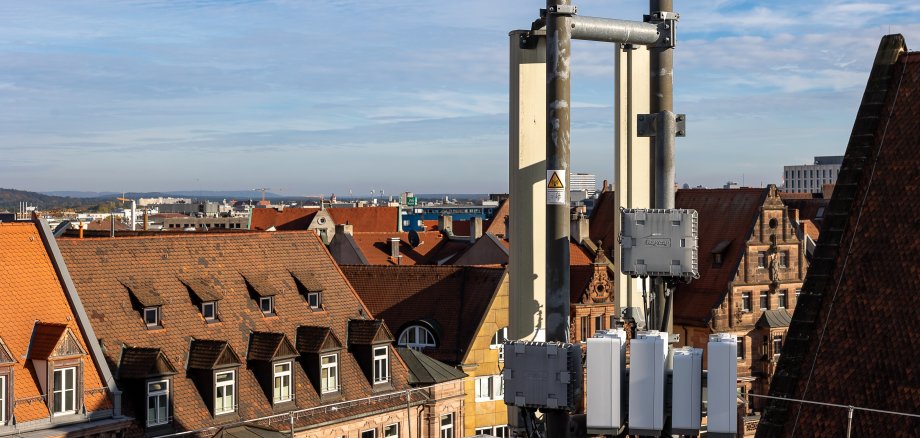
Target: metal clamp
(567, 10)
(647, 125)
(667, 27)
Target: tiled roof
(602, 223)
(853, 338)
(774, 318)
(143, 291)
(724, 215)
(45, 336)
(97, 264)
(314, 339)
(367, 219)
(810, 229)
(367, 332)
(456, 297)
(498, 225)
(206, 354)
(435, 248)
(424, 371)
(203, 288)
(267, 346)
(28, 279)
(284, 220)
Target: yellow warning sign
(554, 182)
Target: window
(761, 259)
(483, 431)
(223, 392)
(267, 305)
(447, 426)
(157, 403)
(745, 301)
(2, 400)
(740, 344)
(381, 365)
(584, 328)
(500, 431)
(598, 323)
(717, 259)
(391, 431)
(282, 385)
(329, 373)
(369, 433)
(152, 316)
(498, 342)
(313, 299)
(764, 301)
(490, 388)
(209, 311)
(416, 337)
(777, 344)
(783, 259)
(783, 298)
(65, 391)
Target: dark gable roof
(424, 371)
(53, 340)
(289, 219)
(368, 332)
(261, 284)
(96, 265)
(267, 346)
(312, 339)
(144, 292)
(456, 297)
(724, 215)
(853, 338)
(204, 354)
(774, 318)
(142, 363)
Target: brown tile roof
(602, 223)
(454, 297)
(97, 264)
(313, 339)
(724, 215)
(143, 291)
(267, 346)
(809, 208)
(206, 289)
(28, 279)
(367, 219)
(142, 363)
(287, 219)
(853, 338)
(810, 229)
(45, 336)
(498, 225)
(367, 332)
(434, 248)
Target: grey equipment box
(659, 243)
(542, 375)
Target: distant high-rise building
(810, 178)
(583, 182)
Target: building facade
(583, 182)
(811, 178)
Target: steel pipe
(614, 31)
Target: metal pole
(662, 103)
(849, 421)
(558, 52)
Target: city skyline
(405, 96)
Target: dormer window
(329, 373)
(224, 390)
(267, 305)
(381, 365)
(271, 358)
(152, 317)
(310, 287)
(282, 382)
(214, 366)
(209, 311)
(65, 391)
(314, 299)
(157, 403)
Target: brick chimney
(579, 227)
(446, 224)
(394, 248)
(345, 229)
(475, 228)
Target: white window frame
(389, 434)
(156, 316)
(271, 304)
(282, 379)
(500, 431)
(489, 388)
(372, 431)
(763, 300)
(314, 296)
(746, 298)
(158, 396)
(420, 337)
(483, 431)
(213, 306)
(447, 430)
(2, 400)
(61, 394)
(329, 374)
(498, 342)
(381, 365)
(218, 386)
(783, 299)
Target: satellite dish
(414, 239)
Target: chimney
(345, 229)
(605, 188)
(579, 227)
(446, 224)
(475, 228)
(394, 248)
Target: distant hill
(79, 194)
(10, 199)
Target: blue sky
(312, 97)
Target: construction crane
(263, 190)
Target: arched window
(416, 337)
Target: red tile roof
(433, 249)
(287, 219)
(602, 223)
(31, 291)
(99, 265)
(455, 298)
(367, 219)
(498, 225)
(724, 215)
(853, 339)
(810, 229)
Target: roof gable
(210, 354)
(368, 332)
(367, 219)
(5, 356)
(53, 341)
(268, 346)
(143, 363)
(312, 339)
(143, 292)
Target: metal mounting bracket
(667, 27)
(563, 10)
(648, 124)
